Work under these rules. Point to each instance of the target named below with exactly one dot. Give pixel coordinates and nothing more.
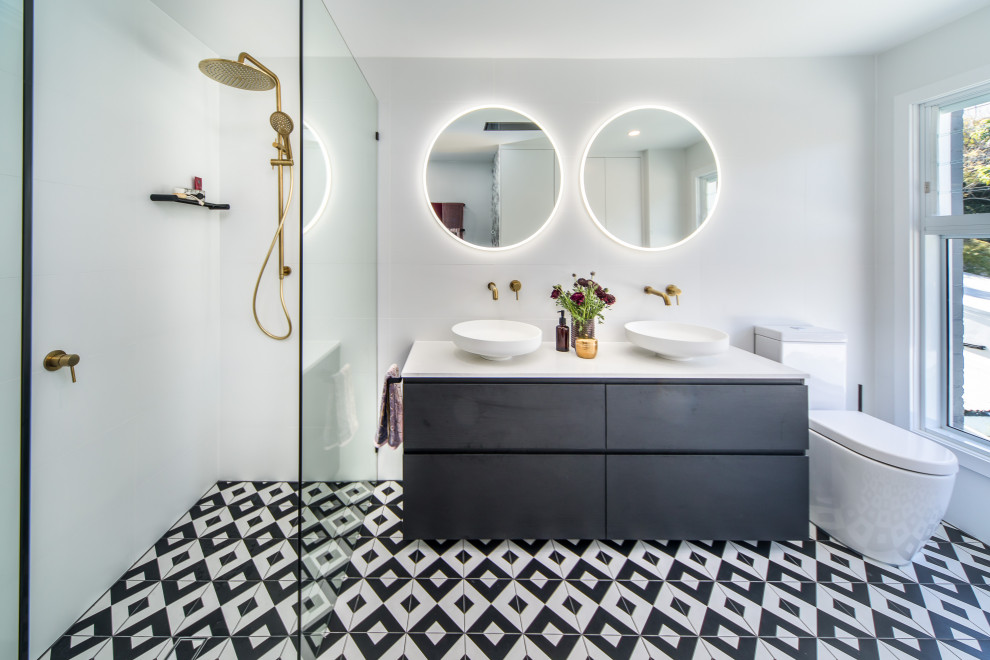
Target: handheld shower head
(281, 122)
(237, 74)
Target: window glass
(707, 192)
(969, 335)
(962, 152)
(955, 267)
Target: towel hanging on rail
(390, 411)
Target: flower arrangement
(586, 302)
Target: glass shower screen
(339, 316)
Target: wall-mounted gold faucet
(515, 285)
(666, 298)
(58, 359)
(672, 290)
(494, 290)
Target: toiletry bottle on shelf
(563, 335)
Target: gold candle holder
(586, 348)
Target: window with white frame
(707, 191)
(955, 223)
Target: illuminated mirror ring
(315, 177)
(492, 178)
(650, 178)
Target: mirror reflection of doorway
(492, 178)
(650, 178)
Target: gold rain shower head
(237, 74)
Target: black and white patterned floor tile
(227, 582)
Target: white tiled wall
(791, 239)
(259, 406)
(132, 286)
(259, 376)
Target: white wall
(940, 62)
(130, 285)
(259, 411)
(11, 17)
(791, 240)
(259, 376)
(470, 183)
(527, 192)
(615, 194)
(669, 207)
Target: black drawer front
(492, 496)
(466, 417)
(756, 498)
(708, 418)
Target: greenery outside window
(956, 289)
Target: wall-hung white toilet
(877, 488)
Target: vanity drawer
(492, 496)
(707, 497)
(708, 418)
(518, 417)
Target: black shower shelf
(180, 200)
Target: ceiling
(465, 138)
(658, 129)
(607, 29)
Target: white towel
(344, 407)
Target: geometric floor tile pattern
(223, 582)
(233, 580)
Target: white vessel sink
(497, 340)
(676, 341)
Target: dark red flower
(582, 282)
(578, 298)
(609, 299)
(555, 294)
(600, 293)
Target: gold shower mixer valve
(58, 359)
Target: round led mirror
(492, 178)
(650, 178)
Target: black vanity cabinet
(618, 459)
(707, 461)
(503, 460)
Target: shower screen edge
(27, 153)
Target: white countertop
(441, 359)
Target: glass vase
(582, 330)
